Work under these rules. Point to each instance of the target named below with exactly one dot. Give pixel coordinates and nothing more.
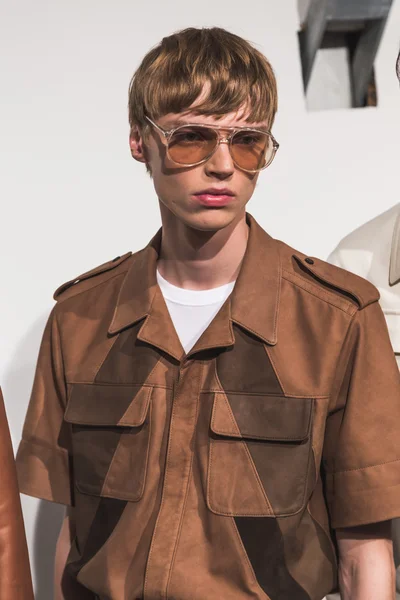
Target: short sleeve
(43, 457)
(361, 456)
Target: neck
(200, 260)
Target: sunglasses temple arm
(165, 133)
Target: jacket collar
(253, 304)
(394, 267)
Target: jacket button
(309, 261)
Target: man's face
(179, 188)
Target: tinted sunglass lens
(252, 150)
(189, 145)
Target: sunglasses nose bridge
(223, 140)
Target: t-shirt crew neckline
(188, 297)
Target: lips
(215, 197)
(215, 192)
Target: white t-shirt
(192, 310)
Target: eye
(248, 138)
(188, 136)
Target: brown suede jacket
(223, 472)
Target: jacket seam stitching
(113, 384)
(64, 379)
(190, 475)
(60, 300)
(388, 462)
(250, 458)
(233, 420)
(340, 382)
(97, 369)
(323, 295)
(106, 488)
(296, 396)
(267, 350)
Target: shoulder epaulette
(112, 264)
(348, 284)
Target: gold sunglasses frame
(221, 140)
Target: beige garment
(373, 252)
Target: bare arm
(366, 566)
(62, 550)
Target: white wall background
(71, 196)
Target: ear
(136, 145)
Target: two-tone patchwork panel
(269, 436)
(254, 425)
(119, 432)
(249, 529)
(199, 488)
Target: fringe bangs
(227, 72)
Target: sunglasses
(251, 149)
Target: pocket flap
(97, 404)
(274, 418)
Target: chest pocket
(259, 455)
(110, 438)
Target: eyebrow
(179, 121)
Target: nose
(221, 164)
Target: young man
(218, 410)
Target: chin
(202, 218)
(212, 219)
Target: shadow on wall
(47, 527)
(17, 387)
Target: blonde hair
(172, 76)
